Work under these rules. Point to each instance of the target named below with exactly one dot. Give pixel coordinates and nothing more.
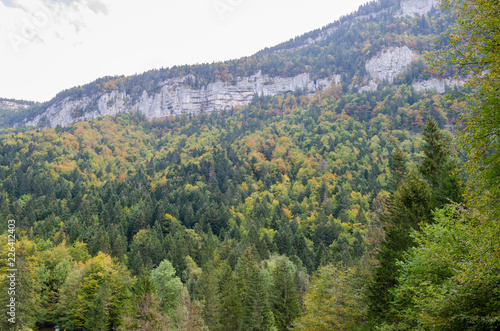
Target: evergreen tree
(409, 206)
(437, 167)
(209, 292)
(398, 168)
(256, 313)
(284, 299)
(231, 307)
(98, 312)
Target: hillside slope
(361, 51)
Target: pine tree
(284, 299)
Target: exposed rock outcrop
(387, 64)
(174, 97)
(13, 105)
(437, 84)
(414, 7)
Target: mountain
(240, 195)
(360, 51)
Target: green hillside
(337, 210)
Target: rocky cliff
(175, 98)
(176, 95)
(416, 7)
(10, 104)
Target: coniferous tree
(284, 299)
(398, 168)
(408, 207)
(256, 312)
(231, 307)
(437, 167)
(98, 312)
(209, 292)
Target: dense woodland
(334, 211)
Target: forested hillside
(333, 210)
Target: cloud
(96, 6)
(39, 21)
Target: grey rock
(414, 7)
(176, 98)
(12, 105)
(387, 64)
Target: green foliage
(450, 280)
(437, 167)
(230, 298)
(24, 286)
(256, 311)
(334, 301)
(408, 209)
(96, 291)
(199, 207)
(146, 311)
(284, 299)
(473, 48)
(167, 284)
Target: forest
(334, 211)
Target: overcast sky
(51, 45)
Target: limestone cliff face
(414, 7)
(13, 105)
(387, 64)
(439, 85)
(174, 98)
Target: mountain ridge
(274, 71)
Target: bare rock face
(12, 105)
(431, 84)
(370, 87)
(387, 64)
(414, 7)
(175, 97)
(439, 85)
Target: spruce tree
(257, 313)
(230, 301)
(398, 168)
(408, 207)
(284, 299)
(437, 167)
(97, 315)
(209, 291)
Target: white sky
(51, 45)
